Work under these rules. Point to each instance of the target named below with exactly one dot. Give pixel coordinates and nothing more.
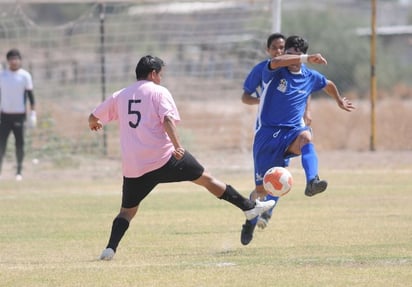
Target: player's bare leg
(251, 208)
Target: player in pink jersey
(151, 149)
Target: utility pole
(373, 76)
(103, 67)
(276, 16)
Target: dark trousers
(12, 123)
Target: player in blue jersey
(252, 87)
(275, 46)
(279, 135)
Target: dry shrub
(224, 125)
(337, 129)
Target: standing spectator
(151, 149)
(15, 86)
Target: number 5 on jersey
(133, 111)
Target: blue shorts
(270, 146)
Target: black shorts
(136, 189)
(12, 119)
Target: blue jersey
(284, 97)
(254, 80)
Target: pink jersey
(140, 110)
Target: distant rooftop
(181, 8)
(386, 30)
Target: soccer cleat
(247, 232)
(107, 254)
(19, 177)
(259, 208)
(263, 220)
(315, 186)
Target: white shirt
(13, 85)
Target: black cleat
(247, 232)
(315, 186)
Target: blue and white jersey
(254, 80)
(285, 94)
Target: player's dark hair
(146, 65)
(13, 53)
(272, 37)
(297, 42)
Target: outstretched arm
(289, 59)
(170, 128)
(343, 103)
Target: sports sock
(119, 227)
(271, 197)
(254, 220)
(19, 168)
(309, 161)
(235, 198)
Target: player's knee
(128, 213)
(305, 138)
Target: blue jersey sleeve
(254, 80)
(320, 81)
(268, 74)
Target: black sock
(119, 227)
(235, 198)
(19, 168)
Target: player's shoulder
(160, 87)
(24, 72)
(308, 71)
(258, 68)
(261, 65)
(143, 87)
(5, 72)
(314, 76)
(118, 92)
(162, 90)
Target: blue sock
(309, 161)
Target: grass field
(358, 233)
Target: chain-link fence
(208, 47)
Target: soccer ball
(277, 181)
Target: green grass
(358, 233)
